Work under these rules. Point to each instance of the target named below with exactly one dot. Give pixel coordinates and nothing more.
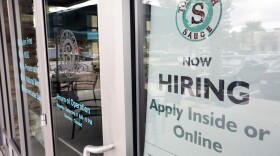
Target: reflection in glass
(28, 64)
(241, 50)
(11, 87)
(75, 75)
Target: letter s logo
(196, 20)
(198, 12)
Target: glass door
(22, 53)
(74, 72)
(88, 47)
(25, 52)
(8, 80)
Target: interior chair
(95, 110)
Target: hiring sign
(199, 101)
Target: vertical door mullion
(12, 23)
(139, 72)
(3, 75)
(5, 95)
(1, 88)
(1, 106)
(43, 75)
(115, 71)
(2, 126)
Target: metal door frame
(115, 30)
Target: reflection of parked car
(269, 58)
(270, 82)
(88, 56)
(240, 67)
(85, 58)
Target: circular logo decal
(69, 53)
(196, 20)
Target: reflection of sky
(255, 10)
(76, 6)
(246, 10)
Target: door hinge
(43, 120)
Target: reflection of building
(85, 27)
(261, 41)
(268, 41)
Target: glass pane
(11, 80)
(28, 64)
(74, 73)
(211, 77)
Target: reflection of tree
(253, 26)
(248, 33)
(221, 40)
(224, 27)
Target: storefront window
(211, 73)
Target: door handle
(97, 149)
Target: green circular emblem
(196, 20)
